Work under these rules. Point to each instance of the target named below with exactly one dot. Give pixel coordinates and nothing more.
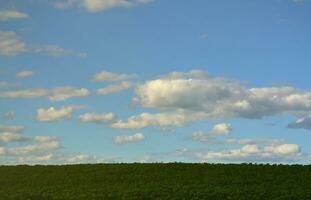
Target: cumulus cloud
(29, 148)
(52, 114)
(247, 153)
(99, 5)
(24, 74)
(32, 149)
(114, 88)
(98, 118)
(56, 94)
(111, 77)
(11, 44)
(40, 149)
(221, 129)
(6, 15)
(128, 138)
(196, 93)
(304, 123)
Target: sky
(217, 81)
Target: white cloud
(56, 94)
(250, 148)
(99, 5)
(98, 118)
(159, 119)
(7, 137)
(221, 129)
(6, 15)
(218, 98)
(114, 88)
(304, 123)
(51, 114)
(247, 153)
(36, 146)
(63, 93)
(283, 149)
(111, 77)
(208, 138)
(128, 138)
(11, 44)
(24, 74)
(40, 149)
(9, 114)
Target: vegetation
(156, 181)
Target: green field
(156, 181)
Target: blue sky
(154, 80)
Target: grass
(156, 181)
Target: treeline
(156, 181)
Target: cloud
(111, 77)
(129, 138)
(247, 153)
(98, 118)
(24, 74)
(221, 129)
(207, 138)
(114, 88)
(34, 148)
(200, 94)
(9, 114)
(159, 119)
(6, 15)
(284, 152)
(283, 149)
(4, 84)
(56, 94)
(99, 5)
(39, 149)
(63, 93)
(11, 128)
(7, 137)
(304, 123)
(11, 44)
(52, 114)
(57, 51)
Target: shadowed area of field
(156, 181)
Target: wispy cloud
(25, 74)
(110, 89)
(11, 45)
(129, 138)
(98, 5)
(98, 117)
(6, 15)
(55, 94)
(112, 77)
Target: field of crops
(156, 181)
